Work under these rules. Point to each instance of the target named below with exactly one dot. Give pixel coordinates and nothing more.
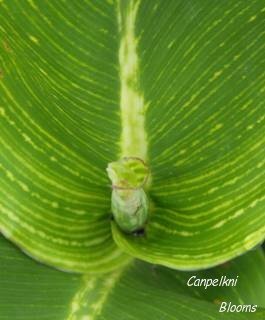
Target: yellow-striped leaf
(179, 84)
(202, 76)
(138, 291)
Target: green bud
(129, 203)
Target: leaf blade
(32, 289)
(60, 73)
(205, 121)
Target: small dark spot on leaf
(139, 233)
(1, 74)
(6, 46)
(226, 265)
(217, 301)
(154, 270)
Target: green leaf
(179, 84)
(59, 101)
(202, 75)
(138, 291)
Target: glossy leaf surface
(179, 83)
(139, 291)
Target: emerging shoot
(129, 203)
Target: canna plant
(132, 149)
